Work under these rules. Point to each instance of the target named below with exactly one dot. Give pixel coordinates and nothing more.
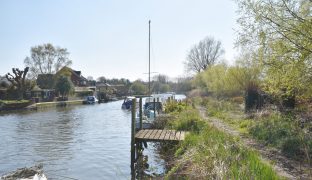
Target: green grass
(208, 153)
(13, 101)
(281, 131)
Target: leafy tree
(46, 59)
(281, 34)
(207, 52)
(138, 88)
(18, 80)
(64, 85)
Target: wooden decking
(159, 135)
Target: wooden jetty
(148, 135)
(159, 135)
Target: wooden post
(133, 134)
(140, 113)
(158, 104)
(154, 108)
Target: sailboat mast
(149, 57)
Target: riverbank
(58, 104)
(208, 151)
(277, 137)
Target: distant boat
(90, 100)
(127, 102)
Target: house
(75, 76)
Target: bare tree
(46, 59)
(207, 52)
(18, 80)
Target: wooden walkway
(159, 135)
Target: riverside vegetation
(207, 151)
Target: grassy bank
(58, 103)
(210, 153)
(284, 131)
(13, 104)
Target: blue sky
(110, 38)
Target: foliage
(280, 33)
(63, 85)
(229, 81)
(183, 85)
(274, 129)
(138, 88)
(46, 59)
(13, 104)
(114, 81)
(173, 106)
(282, 131)
(45, 81)
(158, 87)
(18, 81)
(204, 54)
(208, 152)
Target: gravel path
(283, 166)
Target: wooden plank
(167, 135)
(142, 134)
(177, 135)
(162, 135)
(172, 135)
(182, 136)
(158, 133)
(147, 135)
(153, 134)
(138, 133)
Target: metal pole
(149, 57)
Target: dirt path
(283, 166)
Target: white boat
(90, 100)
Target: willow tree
(280, 32)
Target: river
(79, 142)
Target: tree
(63, 85)
(281, 34)
(161, 78)
(46, 59)
(101, 79)
(18, 80)
(207, 52)
(138, 88)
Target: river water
(80, 142)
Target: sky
(110, 37)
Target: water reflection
(81, 142)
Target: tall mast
(149, 57)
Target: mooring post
(140, 113)
(158, 104)
(154, 108)
(133, 109)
